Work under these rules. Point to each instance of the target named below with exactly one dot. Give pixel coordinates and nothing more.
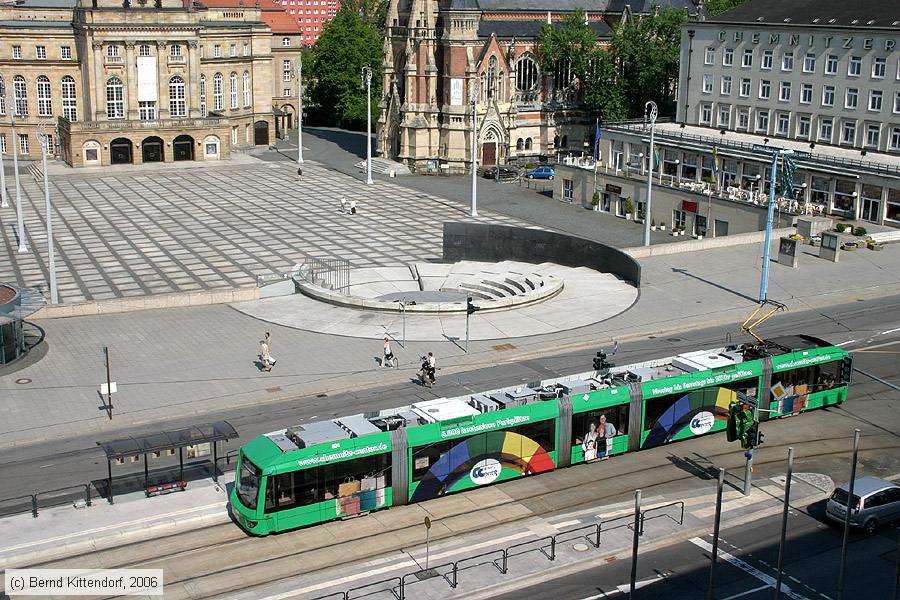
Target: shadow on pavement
(348, 141)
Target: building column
(193, 80)
(131, 101)
(162, 81)
(99, 83)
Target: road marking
(45, 466)
(890, 331)
(624, 588)
(747, 593)
(749, 569)
(566, 523)
(867, 348)
(757, 495)
(845, 343)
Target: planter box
(662, 227)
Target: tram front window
(248, 483)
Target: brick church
(437, 53)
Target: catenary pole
(20, 216)
(784, 518)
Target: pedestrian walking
(343, 205)
(388, 359)
(268, 339)
(353, 207)
(265, 356)
(299, 174)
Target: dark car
(506, 173)
(875, 502)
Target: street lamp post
(300, 110)
(770, 215)
(51, 260)
(474, 211)
(4, 197)
(20, 216)
(650, 111)
(367, 79)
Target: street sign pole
(109, 406)
(840, 590)
(467, 328)
(715, 544)
(427, 536)
(784, 517)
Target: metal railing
(45, 499)
(330, 273)
(498, 558)
(639, 126)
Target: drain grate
(504, 347)
(272, 390)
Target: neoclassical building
(137, 81)
(436, 51)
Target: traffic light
(471, 308)
(735, 413)
(847, 369)
(600, 361)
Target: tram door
(296, 498)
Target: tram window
(748, 387)
(617, 415)
(541, 432)
(656, 407)
(296, 488)
(335, 474)
(425, 456)
(812, 379)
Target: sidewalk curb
(550, 574)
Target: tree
(373, 12)
(647, 53)
(716, 7)
(573, 41)
(346, 45)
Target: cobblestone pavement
(141, 231)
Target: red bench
(165, 488)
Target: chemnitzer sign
(797, 39)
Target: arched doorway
(152, 149)
(183, 148)
(120, 151)
(261, 133)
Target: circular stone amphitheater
(515, 299)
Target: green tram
(327, 470)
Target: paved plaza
(129, 232)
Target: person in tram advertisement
(607, 433)
(589, 445)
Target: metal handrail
(35, 497)
(399, 581)
(680, 520)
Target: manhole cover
(580, 547)
(673, 339)
(23, 381)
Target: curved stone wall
(494, 243)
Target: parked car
(544, 172)
(875, 502)
(506, 173)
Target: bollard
(34, 511)
(597, 545)
(455, 566)
(87, 494)
(553, 548)
(503, 571)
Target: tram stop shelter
(167, 441)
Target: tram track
(240, 562)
